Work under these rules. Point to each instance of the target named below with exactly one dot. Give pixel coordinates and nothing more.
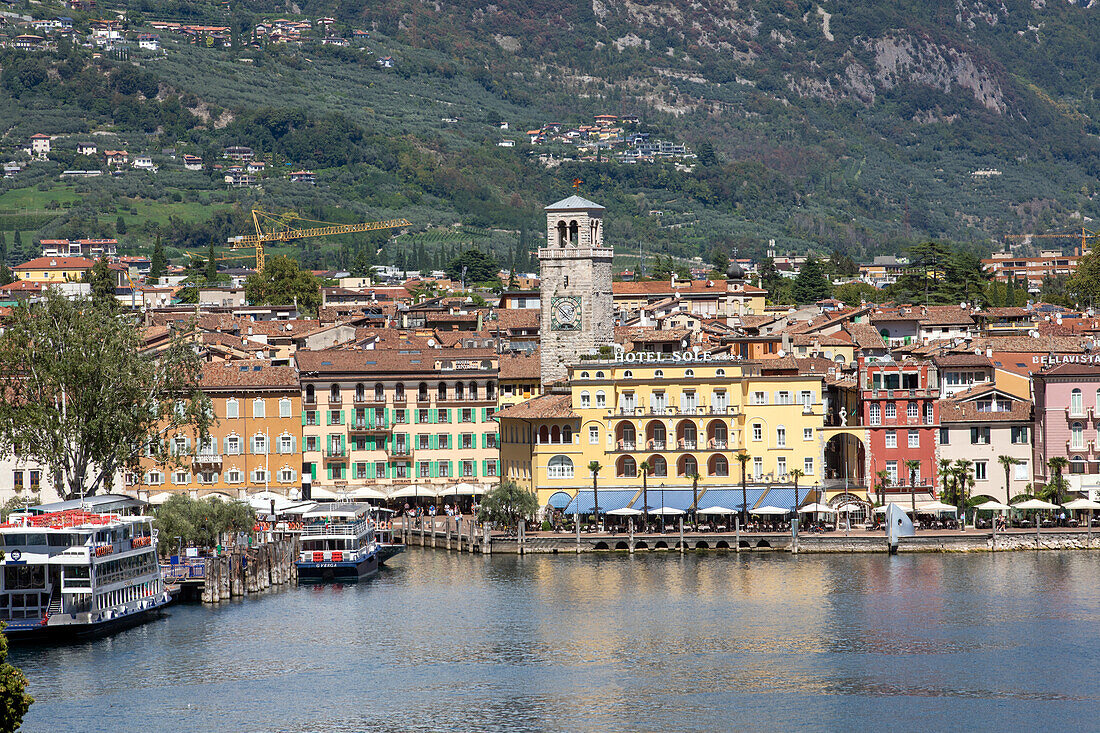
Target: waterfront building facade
(1066, 424)
(981, 425)
(670, 425)
(387, 418)
(254, 443)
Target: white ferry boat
(75, 573)
(341, 542)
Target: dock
(235, 573)
(466, 535)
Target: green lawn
(20, 200)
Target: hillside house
(149, 42)
(192, 162)
(144, 163)
(238, 152)
(116, 157)
(303, 177)
(386, 62)
(40, 145)
(86, 149)
(28, 41)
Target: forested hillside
(853, 126)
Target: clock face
(565, 314)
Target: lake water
(610, 643)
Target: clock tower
(578, 314)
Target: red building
(900, 413)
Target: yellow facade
(680, 418)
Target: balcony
(718, 444)
(368, 426)
(207, 459)
(1083, 413)
(626, 445)
(399, 450)
(688, 444)
(369, 399)
(334, 452)
(655, 445)
(723, 410)
(335, 400)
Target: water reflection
(643, 642)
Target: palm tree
(694, 476)
(645, 491)
(964, 479)
(913, 465)
(796, 473)
(594, 467)
(1007, 462)
(945, 474)
(882, 485)
(1054, 488)
(743, 458)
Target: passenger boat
(74, 573)
(341, 542)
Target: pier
(236, 573)
(466, 535)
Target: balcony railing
(369, 399)
(656, 445)
(207, 459)
(626, 445)
(399, 449)
(716, 444)
(688, 444)
(336, 451)
(368, 426)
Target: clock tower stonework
(575, 286)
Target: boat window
(36, 539)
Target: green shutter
(328, 472)
(433, 416)
(450, 469)
(432, 472)
(474, 466)
(303, 417)
(341, 418)
(313, 471)
(416, 417)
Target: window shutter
(225, 445)
(416, 417)
(473, 467)
(293, 444)
(313, 471)
(433, 415)
(450, 469)
(328, 472)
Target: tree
(82, 398)
(810, 285)
(201, 522)
(704, 153)
(283, 282)
(14, 700)
(743, 458)
(103, 285)
(914, 470)
(694, 476)
(1055, 489)
(120, 225)
(17, 244)
(6, 276)
(1084, 284)
(594, 467)
(158, 265)
(478, 266)
(841, 265)
(855, 293)
(720, 261)
(508, 503)
(211, 272)
(796, 473)
(963, 471)
(1007, 462)
(882, 485)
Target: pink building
(1067, 417)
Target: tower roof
(575, 203)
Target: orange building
(255, 442)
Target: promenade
(466, 535)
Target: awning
(773, 510)
(1081, 505)
(730, 498)
(681, 499)
(784, 497)
(413, 491)
(1034, 504)
(462, 489)
(559, 500)
(366, 492)
(158, 499)
(936, 507)
(609, 499)
(717, 510)
(624, 512)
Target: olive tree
(84, 399)
(507, 503)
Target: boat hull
(31, 632)
(338, 572)
(386, 551)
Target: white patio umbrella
(366, 492)
(625, 512)
(412, 490)
(849, 508)
(882, 509)
(937, 507)
(217, 496)
(993, 506)
(318, 492)
(666, 511)
(1034, 504)
(816, 509)
(158, 499)
(1081, 505)
(769, 510)
(717, 510)
(463, 489)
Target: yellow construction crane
(282, 228)
(1085, 235)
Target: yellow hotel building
(685, 420)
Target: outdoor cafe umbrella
(1034, 504)
(666, 511)
(625, 512)
(773, 510)
(1081, 505)
(937, 507)
(717, 510)
(996, 506)
(366, 492)
(882, 509)
(816, 509)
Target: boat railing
(335, 528)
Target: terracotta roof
(955, 410)
(865, 336)
(544, 407)
(664, 287)
(519, 366)
(244, 374)
(55, 263)
(962, 360)
(508, 318)
(337, 361)
(1071, 370)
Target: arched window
(422, 392)
(559, 467)
(659, 374)
(311, 394)
(719, 466)
(544, 435)
(360, 392)
(626, 467)
(567, 435)
(601, 398)
(658, 466)
(656, 435)
(687, 466)
(334, 393)
(460, 391)
(399, 392)
(555, 434)
(490, 391)
(379, 393)
(584, 375)
(599, 375)
(1077, 436)
(689, 372)
(628, 374)
(626, 436)
(441, 391)
(720, 373)
(586, 399)
(574, 233)
(1076, 402)
(876, 415)
(561, 234)
(473, 390)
